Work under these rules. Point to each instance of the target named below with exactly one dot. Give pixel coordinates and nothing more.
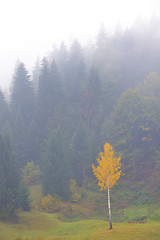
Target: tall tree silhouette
(22, 106)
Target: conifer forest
(55, 121)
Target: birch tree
(107, 172)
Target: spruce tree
(62, 57)
(76, 75)
(22, 95)
(22, 106)
(49, 97)
(81, 153)
(4, 116)
(49, 89)
(55, 167)
(10, 183)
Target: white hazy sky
(30, 28)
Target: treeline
(80, 97)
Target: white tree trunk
(109, 208)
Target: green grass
(34, 224)
(141, 213)
(35, 193)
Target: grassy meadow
(132, 223)
(42, 226)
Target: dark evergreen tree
(35, 75)
(55, 165)
(22, 97)
(49, 90)
(23, 196)
(4, 116)
(22, 106)
(49, 97)
(76, 75)
(62, 58)
(89, 101)
(10, 180)
(81, 153)
(56, 85)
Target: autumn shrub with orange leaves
(49, 204)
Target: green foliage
(23, 196)
(4, 117)
(22, 107)
(9, 184)
(85, 97)
(81, 152)
(13, 192)
(151, 85)
(76, 195)
(22, 97)
(140, 213)
(55, 174)
(132, 128)
(31, 173)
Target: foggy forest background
(77, 98)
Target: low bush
(76, 195)
(31, 173)
(49, 204)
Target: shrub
(49, 204)
(31, 173)
(76, 196)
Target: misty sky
(30, 28)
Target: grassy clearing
(35, 193)
(94, 205)
(28, 224)
(34, 224)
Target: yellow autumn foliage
(49, 204)
(108, 168)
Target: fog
(101, 85)
(31, 28)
